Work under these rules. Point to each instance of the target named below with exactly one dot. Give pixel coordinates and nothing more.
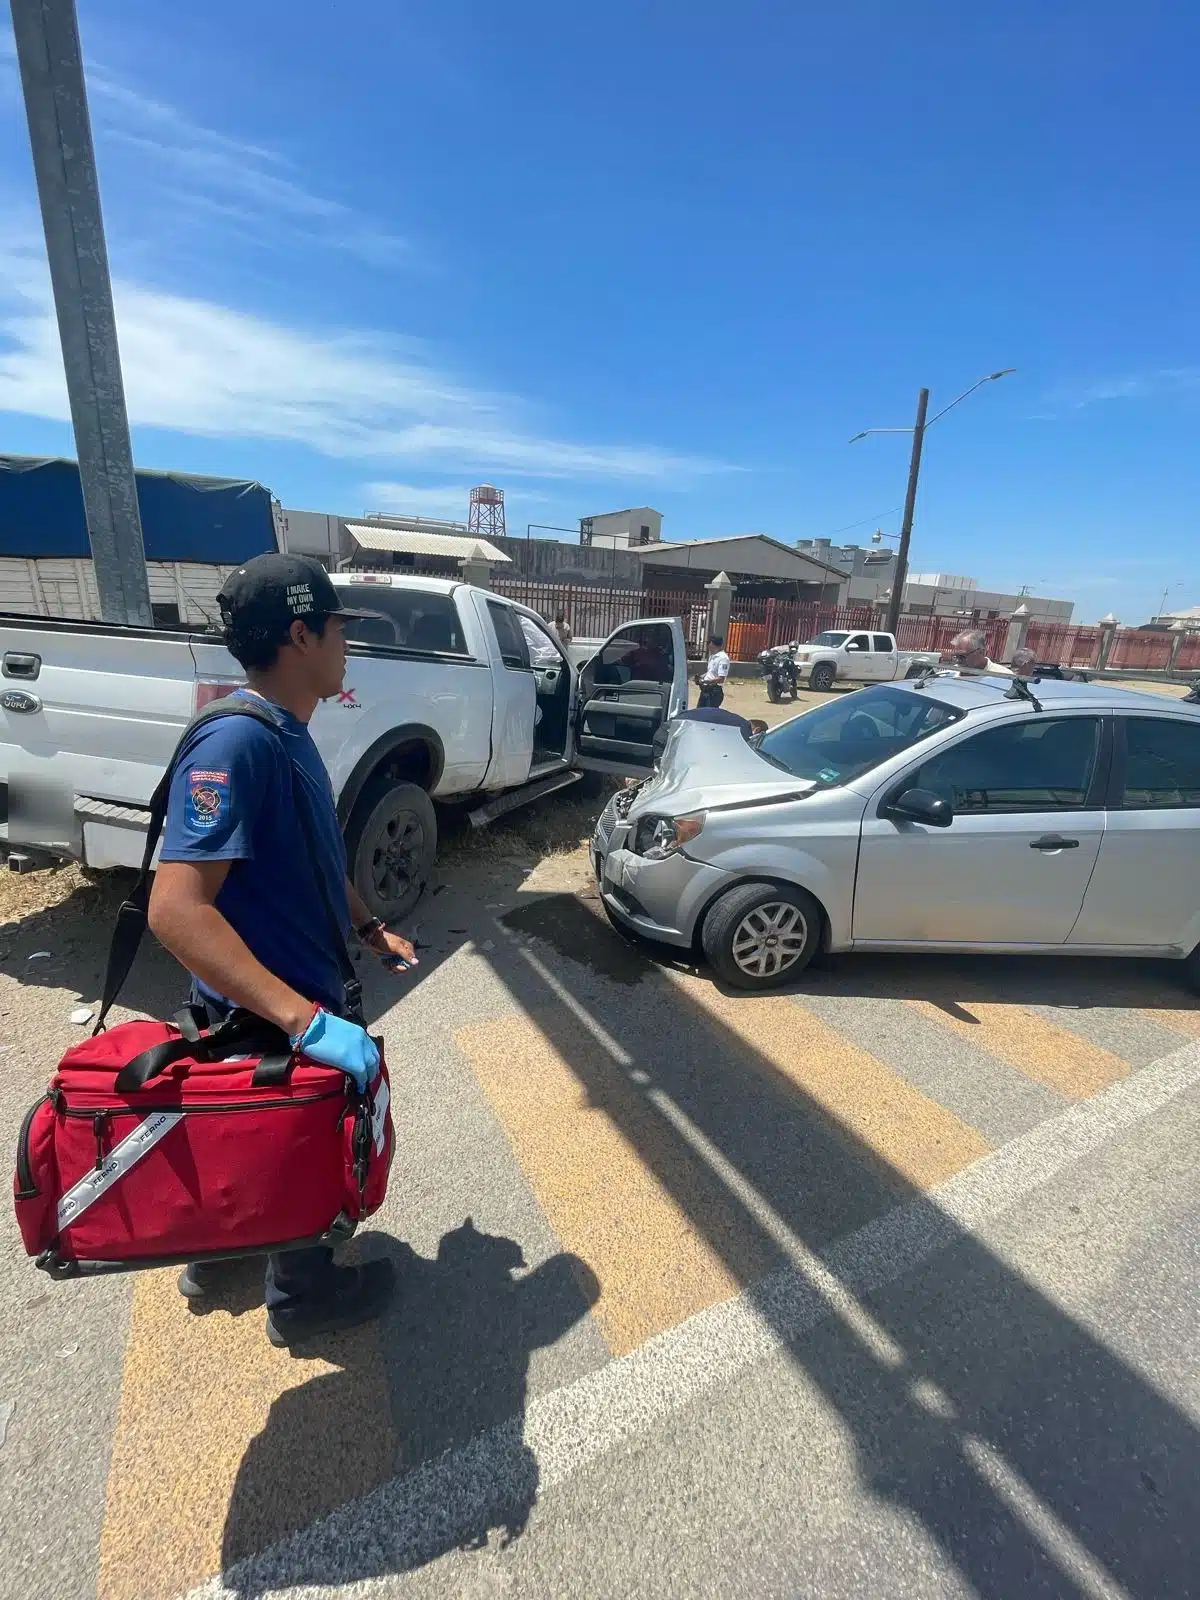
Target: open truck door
(634, 684)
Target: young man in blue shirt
(237, 897)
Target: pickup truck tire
(821, 677)
(760, 935)
(391, 845)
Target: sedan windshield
(846, 737)
(830, 639)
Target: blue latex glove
(341, 1044)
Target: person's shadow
(451, 1364)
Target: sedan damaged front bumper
(660, 899)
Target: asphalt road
(882, 1286)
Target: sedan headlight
(657, 838)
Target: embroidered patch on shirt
(207, 797)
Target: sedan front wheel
(760, 935)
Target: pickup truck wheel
(760, 935)
(391, 843)
(821, 677)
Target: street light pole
(910, 502)
(64, 164)
(918, 432)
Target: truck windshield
(846, 737)
(831, 639)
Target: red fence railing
(1064, 644)
(755, 625)
(1146, 652)
(594, 613)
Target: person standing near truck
(238, 901)
(712, 683)
(564, 631)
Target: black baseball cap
(276, 590)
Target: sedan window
(1162, 763)
(1040, 764)
(847, 737)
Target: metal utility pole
(910, 502)
(918, 432)
(64, 163)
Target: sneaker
(200, 1278)
(355, 1295)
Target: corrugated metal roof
(425, 544)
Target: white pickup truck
(451, 693)
(858, 656)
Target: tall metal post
(60, 133)
(910, 502)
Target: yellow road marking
(223, 1444)
(1179, 1019)
(917, 1140)
(620, 1185)
(1073, 1066)
(598, 1193)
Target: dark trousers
(711, 694)
(293, 1276)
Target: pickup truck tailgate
(89, 715)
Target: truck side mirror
(921, 805)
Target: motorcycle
(779, 669)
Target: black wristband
(372, 925)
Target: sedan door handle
(1053, 841)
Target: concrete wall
(624, 528)
(553, 561)
(314, 533)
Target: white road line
(412, 1518)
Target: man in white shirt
(968, 652)
(712, 684)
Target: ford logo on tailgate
(18, 700)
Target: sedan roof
(989, 689)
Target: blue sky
(664, 253)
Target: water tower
(487, 512)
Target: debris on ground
(82, 1014)
(7, 1407)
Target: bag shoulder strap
(131, 918)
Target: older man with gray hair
(968, 655)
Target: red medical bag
(163, 1142)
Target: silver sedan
(948, 814)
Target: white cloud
(1156, 384)
(203, 368)
(183, 167)
(419, 500)
(450, 501)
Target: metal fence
(756, 625)
(1064, 644)
(594, 613)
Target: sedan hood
(707, 767)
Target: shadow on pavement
(1030, 1402)
(456, 1349)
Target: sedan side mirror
(921, 805)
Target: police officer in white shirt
(712, 684)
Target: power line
(852, 525)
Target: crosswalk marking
(190, 1481)
(596, 1181)
(919, 1140)
(1051, 1055)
